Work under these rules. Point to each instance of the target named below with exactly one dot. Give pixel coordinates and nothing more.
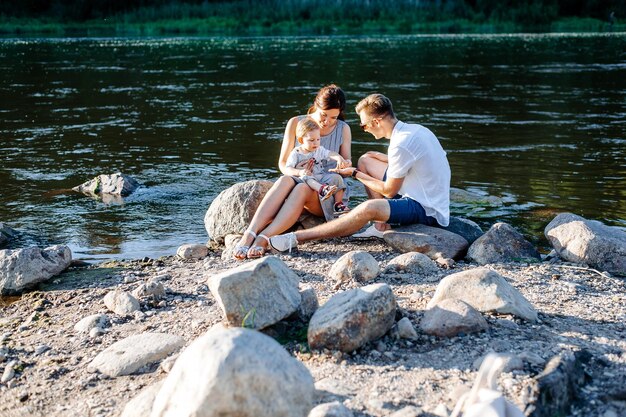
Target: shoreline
(578, 309)
(230, 27)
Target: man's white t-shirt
(416, 155)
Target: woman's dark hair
(330, 97)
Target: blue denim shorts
(405, 210)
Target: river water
(538, 120)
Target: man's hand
(344, 172)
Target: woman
(285, 201)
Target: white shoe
(283, 243)
(371, 231)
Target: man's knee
(363, 162)
(377, 209)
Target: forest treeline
(314, 15)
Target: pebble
(41, 349)
(95, 332)
(9, 372)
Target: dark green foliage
(318, 16)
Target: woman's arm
(346, 146)
(287, 146)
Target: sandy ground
(578, 309)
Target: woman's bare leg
(270, 205)
(300, 198)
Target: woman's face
(326, 118)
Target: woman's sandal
(243, 249)
(257, 251)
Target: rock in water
(23, 268)
(231, 211)
(235, 372)
(577, 239)
(116, 184)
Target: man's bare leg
(374, 168)
(346, 225)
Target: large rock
(23, 268)
(466, 228)
(434, 242)
(231, 211)
(257, 294)
(6, 234)
(577, 239)
(352, 318)
(450, 317)
(502, 243)
(333, 409)
(129, 355)
(116, 184)
(485, 290)
(412, 263)
(356, 265)
(235, 372)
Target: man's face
(370, 124)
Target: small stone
(41, 349)
(406, 329)
(9, 372)
(95, 332)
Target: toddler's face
(311, 141)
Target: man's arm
(389, 188)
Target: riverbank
(578, 309)
(225, 26)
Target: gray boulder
(235, 372)
(6, 234)
(356, 265)
(502, 243)
(450, 317)
(577, 239)
(129, 355)
(115, 184)
(231, 211)
(23, 268)
(434, 242)
(257, 294)
(412, 263)
(485, 290)
(464, 227)
(352, 318)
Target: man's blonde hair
(376, 105)
(305, 126)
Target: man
(410, 184)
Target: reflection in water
(536, 120)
